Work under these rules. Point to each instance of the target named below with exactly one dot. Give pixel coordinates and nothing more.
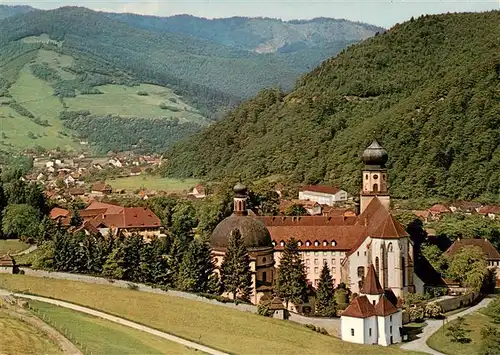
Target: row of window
(309, 243)
(316, 261)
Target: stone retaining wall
(332, 325)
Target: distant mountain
(428, 89)
(74, 52)
(302, 43)
(8, 11)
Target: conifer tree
(291, 283)
(235, 269)
(174, 261)
(325, 301)
(196, 267)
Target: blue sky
(379, 12)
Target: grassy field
(36, 96)
(132, 183)
(442, 343)
(222, 328)
(11, 246)
(124, 101)
(99, 336)
(21, 338)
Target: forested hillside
(301, 43)
(428, 89)
(7, 11)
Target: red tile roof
(360, 307)
(384, 307)
(489, 209)
(77, 191)
(321, 189)
(380, 222)
(439, 208)
(486, 247)
(101, 187)
(371, 285)
(57, 212)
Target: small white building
(324, 195)
(371, 318)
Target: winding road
(119, 320)
(433, 325)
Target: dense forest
(428, 89)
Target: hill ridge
(423, 86)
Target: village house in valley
(324, 195)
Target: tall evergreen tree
(291, 283)
(235, 271)
(76, 220)
(196, 267)
(174, 261)
(325, 302)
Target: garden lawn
(476, 321)
(215, 326)
(11, 246)
(98, 336)
(21, 338)
(149, 182)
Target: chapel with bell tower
(374, 175)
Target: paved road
(433, 325)
(122, 321)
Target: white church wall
(352, 329)
(370, 330)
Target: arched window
(375, 187)
(366, 177)
(282, 243)
(274, 243)
(361, 271)
(299, 243)
(377, 265)
(308, 243)
(334, 243)
(216, 260)
(264, 259)
(389, 247)
(325, 243)
(316, 244)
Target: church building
(349, 245)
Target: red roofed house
(60, 215)
(109, 218)
(312, 207)
(324, 195)
(490, 211)
(437, 210)
(371, 318)
(101, 188)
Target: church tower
(375, 179)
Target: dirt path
(122, 321)
(66, 346)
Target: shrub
(263, 310)
(142, 93)
(432, 310)
(416, 314)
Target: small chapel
(371, 317)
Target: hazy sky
(379, 12)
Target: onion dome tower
(257, 241)
(374, 176)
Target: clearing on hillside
(99, 336)
(214, 326)
(18, 337)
